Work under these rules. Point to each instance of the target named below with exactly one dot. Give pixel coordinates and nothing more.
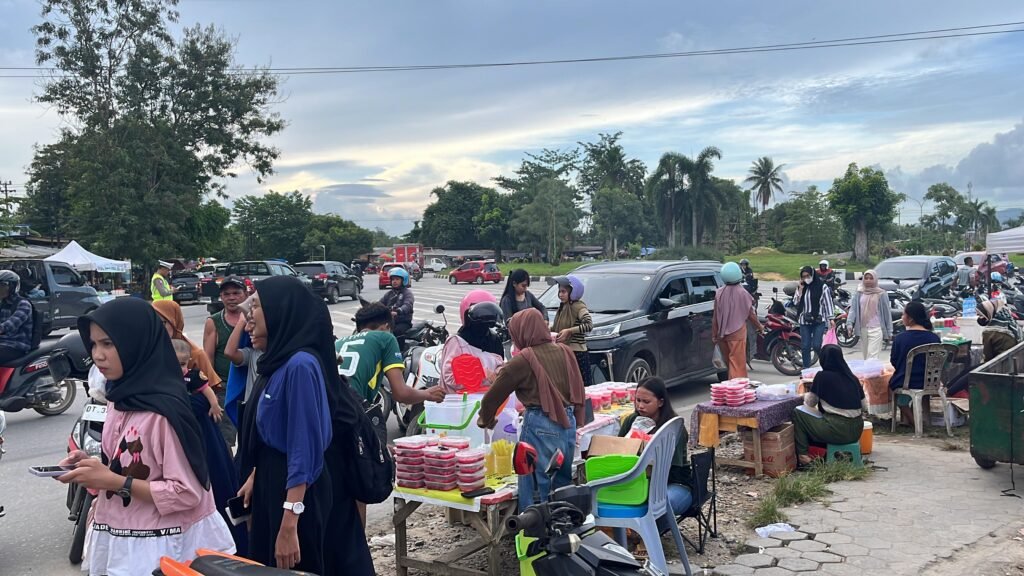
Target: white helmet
(11, 279)
(825, 262)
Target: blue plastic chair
(643, 519)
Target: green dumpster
(997, 409)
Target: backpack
(371, 463)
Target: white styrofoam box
(970, 329)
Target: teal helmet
(731, 273)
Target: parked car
(56, 290)
(932, 276)
(999, 263)
(436, 265)
(477, 271)
(650, 318)
(332, 280)
(256, 270)
(189, 286)
(382, 278)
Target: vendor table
(486, 514)
(709, 421)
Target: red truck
(409, 253)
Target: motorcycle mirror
(555, 464)
(524, 458)
(775, 289)
(439, 309)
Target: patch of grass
(836, 471)
(952, 446)
(767, 513)
(796, 488)
(540, 268)
(787, 266)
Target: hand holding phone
(237, 511)
(50, 471)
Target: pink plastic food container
(409, 476)
(471, 477)
(441, 486)
(470, 486)
(413, 469)
(443, 470)
(472, 468)
(457, 442)
(439, 453)
(411, 443)
(405, 453)
(471, 456)
(411, 484)
(409, 460)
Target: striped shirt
(574, 315)
(823, 308)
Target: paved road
(35, 535)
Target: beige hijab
(870, 294)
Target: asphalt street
(35, 534)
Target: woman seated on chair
(832, 407)
(652, 402)
(918, 333)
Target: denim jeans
(810, 338)
(679, 500)
(547, 437)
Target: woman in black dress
(302, 515)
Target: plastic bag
(830, 338)
(642, 428)
(718, 360)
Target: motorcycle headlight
(429, 357)
(92, 447)
(610, 331)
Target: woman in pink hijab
(734, 307)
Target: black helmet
(744, 262)
(483, 314)
(11, 279)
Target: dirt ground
(430, 535)
(1001, 554)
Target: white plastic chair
(658, 456)
(937, 357)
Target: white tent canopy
(84, 261)
(1007, 241)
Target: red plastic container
(409, 460)
(470, 486)
(411, 443)
(440, 470)
(406, 453)
(402, 468)
(411, 484)
(441, 486)
(471, 477)
(439, 453)
(473, 468)
(409, 476)
(470, 456)
(456, 442)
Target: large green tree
(765, 179)
(702, 200)
(808, 225)
(605, 165)
(448, 222)
(617, 217)
(342, 240)
(157, 122)
(548, 223)
(864, 202)
(666, 189)
(492, 221)
(274, 225)
(949, 204)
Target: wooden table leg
(493, 547)
(758, 463)
(403, 510)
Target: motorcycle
(555, 537)
(26, 382)
(424, 342)
(781, 343)
(212, 563)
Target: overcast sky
(370, 147)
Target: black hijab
(152, 379)
(814, 289)
(836, 384)
(481, 337)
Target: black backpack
(371, 464)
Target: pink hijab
(528, 329)
(732, 307)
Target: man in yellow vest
(159, 287)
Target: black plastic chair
(705, 504)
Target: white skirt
(107, 554)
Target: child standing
(195, 380)
(573, 323)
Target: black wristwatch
(125, 491)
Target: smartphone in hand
(49, 471)
(237, 511)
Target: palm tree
(700, 199)
(765, 180)
(666, 187)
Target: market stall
(84, 261)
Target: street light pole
(920, 205)
(324, 249)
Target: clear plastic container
(443, 470)
(409, 469)
(441, 486)
(411, 443)
(409, 475)
(620, 396)
(432, 440)
(470, 456)
(473, 468)
(409, 460)
(457, 442)
(439, 453)
(470, 486)
(405, 453)
(411, 484)
(472, 477)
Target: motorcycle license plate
(95, 413)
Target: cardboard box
(778, 450)
(603, 445)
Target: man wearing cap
(159, 287)
(216, 332)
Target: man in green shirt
(370, 353)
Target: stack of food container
(409, 461)
(732, 393)
(471, 469)
(439, 468)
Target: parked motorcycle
(425, 341)
(3, 426)
(555, 539)
(26, 382)
(211, 563)
(781, 344)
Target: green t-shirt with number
(366, 356)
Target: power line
(937, 34)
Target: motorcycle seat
(29, 356)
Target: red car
(477, 271)
(382, 279)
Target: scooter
(26, 382)
(213, 563)
(555, 538)
(422, 366)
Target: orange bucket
(867, 438)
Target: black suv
(332, 280)
(188, 286)
(256, 270)
(650, 318)
(922, 276)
